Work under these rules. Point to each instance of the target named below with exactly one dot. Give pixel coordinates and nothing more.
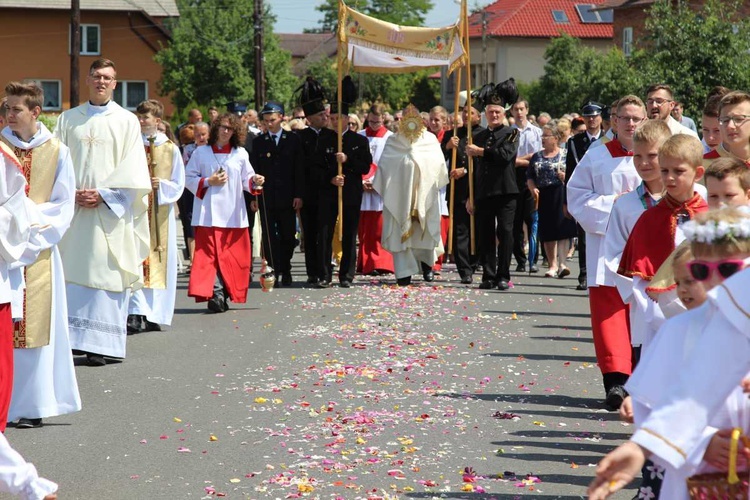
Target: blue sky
(295, 15)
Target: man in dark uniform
(461, 218)
(577, 147)
(496, 190)
(318, 143)
(278, 156)
(355, 159)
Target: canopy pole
(452, 200)
(340, 67)
(465, 37)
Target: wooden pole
(465, 24)
(452, 201)
(340, 67)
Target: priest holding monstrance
(410, 174)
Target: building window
(129, 94)
(91, 44)
(560, 16)
(627, 41)
(52, 94)
(588, 15)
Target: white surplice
(104, 249)
(409, 180)
(14, 219)
(220, 206)
(371, 200)
(158, 304)
(19, 477)
(593, 188)
(673, 429)
(45, 383)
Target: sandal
(563, 273)
(552, 273)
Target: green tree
(694, 49)
(402, 12)
(211, 61)
(574, 73)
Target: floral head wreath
(717, 232)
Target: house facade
(129, 32)
(508, 38)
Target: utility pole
(485, 76)
(260, 74)
(75, 50)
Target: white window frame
(40, 81)
(627, 41)
(123, 86)
(84, 39)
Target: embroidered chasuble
(38, 166)
(155, 266)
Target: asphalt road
(433, 391)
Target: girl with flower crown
(684, 422)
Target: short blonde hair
(727, 246)
(683, 147)
(563, 125)
(654, 132)
(682, 255)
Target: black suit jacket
(495, 172)
(321, 166)
(577, 147)
(282, 165)
(462, 160)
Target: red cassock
(6, 363)
(223, 249)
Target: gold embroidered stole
(39, 166)
(155, 266)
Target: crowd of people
(376, 193)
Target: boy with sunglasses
(658, 232)
(677, 422)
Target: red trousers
(226, 250)
(372, 256)
(610, 322)
(6, 363)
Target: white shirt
(678, 128)
(529, 140)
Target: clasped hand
(88, 198)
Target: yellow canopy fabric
(371, 45)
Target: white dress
(44, 382)
(158, 304)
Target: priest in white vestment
(44, 382)
(410, 174)
(108, 240)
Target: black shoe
(502, 285)
(467, 280)
(403, 281)
(151, 327)
(324, 284)
(521, 268)
(286, 279)
(345, 284)
(312, 281)
(135, 324)
(582, 286)
(217, 304)
(429, 276)
(486, 285)
(29, 423)
(96, 359)
(533, 269)
(615, 396)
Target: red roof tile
(533, 19)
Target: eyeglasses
(352, 124)
(104, 78)
(702, 270)
(658, 102)
(633, 119)
(737, 120)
